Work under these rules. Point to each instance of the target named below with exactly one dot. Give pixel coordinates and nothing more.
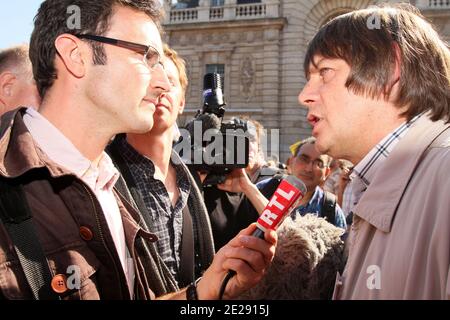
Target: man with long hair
(378, 95)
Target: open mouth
(313, 120)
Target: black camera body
(225, 144)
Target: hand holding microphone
(286, 197)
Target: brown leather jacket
(69, 223)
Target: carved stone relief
(247, 77)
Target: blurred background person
(258, 167)
(17, 86)
(331, 182)
(312, 167)
(339, 168)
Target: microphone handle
(231, 273)
(258, 233)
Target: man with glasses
(312, 168)
(74, 236)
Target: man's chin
(162, 123)
(306, 180)
(322, 146)
(144, 127)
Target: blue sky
(16, 21)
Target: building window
(247, 1)
(217, 68)
(217, 3)
(184, 4)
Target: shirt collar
(367, 167)
(145, 165)
(104, 176)
(139, 162)
(392, 175)
(62, 151)
(313, 203)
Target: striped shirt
(365, 170)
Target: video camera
(217, 146)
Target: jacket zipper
(97, 219)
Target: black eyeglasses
(151, 58)
(318, 163)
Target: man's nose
(308, 95)
(308, 167)
(159, 82)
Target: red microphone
(287, 196)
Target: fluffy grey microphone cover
(308, 255)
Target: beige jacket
(400, 239)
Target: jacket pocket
(13, 284)
(79, 266)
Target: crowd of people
(89, 176)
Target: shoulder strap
(203, 236)
(126, 185)
(329, 207)
(15, 215)
(187, 249)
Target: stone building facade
(259, 46)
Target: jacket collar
(379, 202)
(18, 152)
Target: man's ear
(327, 172)
(392, 86)
(73, 54)
(397, 62)
(289, 160)
(395, 75)
(182, 105)
(7, 80)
